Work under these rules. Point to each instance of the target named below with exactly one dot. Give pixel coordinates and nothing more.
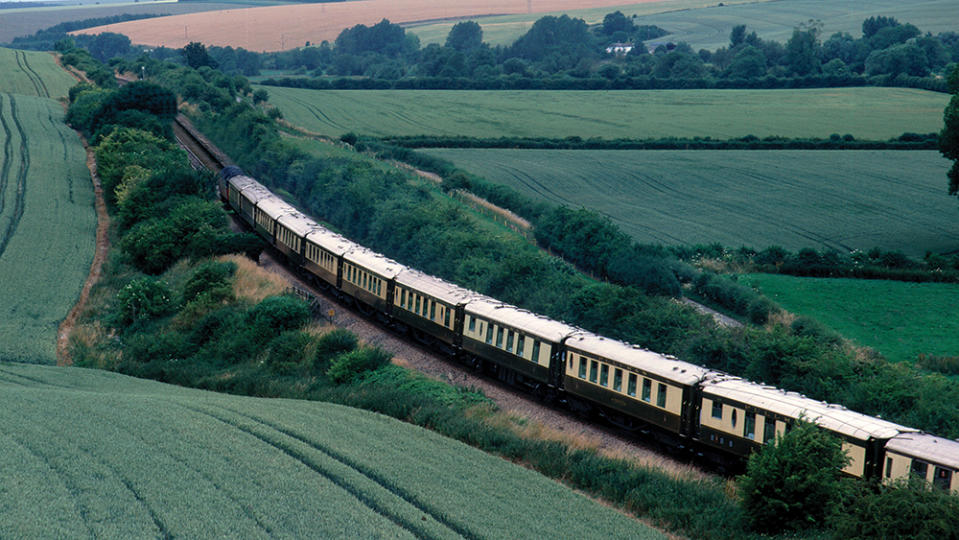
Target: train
(685, 405)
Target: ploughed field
(285, 27)
(47, 224)
(899, 319)
(844, 200)
(33, 74)
(246, 467)
(866, 113)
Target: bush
(287, 351)
(331, 344)
(277, 314)
(793, 483)
(345, 367)
(759, 310)
(906, 508)
(142, 299)
(207, 276)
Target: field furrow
(35, 79)
(20, 189)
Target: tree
(802, 50)
(749, 63)
(949, 136)
(793, 483)
(617, 22)
(465, 36)
(737, 35)
(196, 55)
(108, 45)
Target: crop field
(18, 22)
(792, 198)
(900, 320)
(189, 463)
(286, 27)
(47, 225)
(707, 25)
(866, 113)
(33, 74)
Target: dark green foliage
(347, 366)
(794, 483)
(208, 276)
(947, 365)
(277, 314)
(196, 56)
(907, 508)
(286, 353)
(465, 36)
(331, 344)
(192, 229)
(141, 299)
(949, 136)
(383, 37)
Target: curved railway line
(553, 422)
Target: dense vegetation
(566, 53)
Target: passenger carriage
(739, 416)
(243, 193)
(430, 306)
(368, 277)
(634, 386)
(524, 343)
(291, 229)
(323, 252)
(933, 458)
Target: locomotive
(685, 405)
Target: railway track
(559, 423)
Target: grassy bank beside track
(866, 113)
(793, 198)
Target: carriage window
(734, 417)
(499, 337)
(647, 389)
(432, 311)
(489, 335)
(717, 409)
(509, 341)
(446, 316)
(919, 468)
(618, 380)
(750, 425)
(417, 305)
(943, 478)
(769, 430)
(472, 321)
(888, 467)
(536, 351)
(403, 297)
(582, 367)
(604, 375)
(520, 344)
(631, 386)
(592, 370)
(661, 395)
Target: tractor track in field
(32, 75)
(20, 194)
(284, 447)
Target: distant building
(619, 48)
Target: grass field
(707, 25)
(47, 225)
(33, 74)
(821, 199)
(188, 463)
(900, 320)
(866, 113)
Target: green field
(707, 25)
(194, 464)
(33, 74)
(47, 225)
(793, 198)
(867, 113)
(900, 320)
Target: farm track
(559, 424)
(19, 201)
(35, 78)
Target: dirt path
(96, 267)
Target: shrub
(287, 351)
(759, 310)
(141, 299)
(277, 314)
(207, 276)
(331, 344)
(907, 508)
(793, 483)
(345, 367)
